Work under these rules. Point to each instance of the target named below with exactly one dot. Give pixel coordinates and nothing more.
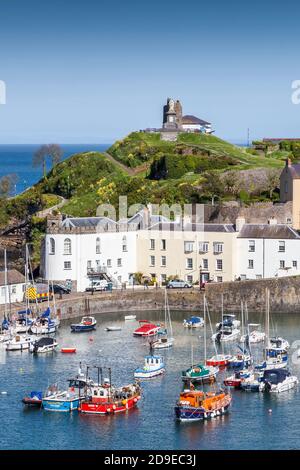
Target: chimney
(288, 162)
(239, 223)
(272, 221)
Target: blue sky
(91, 71)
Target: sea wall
(284, 297)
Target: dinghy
(86, 324)
(165, 339)
(130, 317)
(113, 328)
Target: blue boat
(86, 324)
(193, 322)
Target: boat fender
(114, 407)
(124, 402)
(108, 410)
(223, 409)
(135, 400)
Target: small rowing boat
(68, 350)
(113, 328)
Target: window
(13, 289)
(189, 263)
(281, 247)
(152, 260)
(163, 244)
(219, 264)
(250, 264)
(119, 262)
(219, 279)
(2, 291)
(189, 278)
(89, 264)
(52, 246)
(288, 220)
(108, 263)
(281, 264)
(218, 248)
(163, 278)
(188, 247)
(164, 261)
(294, 264)
(243, 277)
(152, 244)
(98, 246)
(205, 263)
(203, 247)
(252, 245)
(67, 265)
(124, 243)
(67, 246)
(286, 187)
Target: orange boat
(196, 405)
(68, 350)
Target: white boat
(165, 340)
(226, 334)
(279, 344)
(45, 324)
(228, 320)
(43, 345)
(19, 343)
(113, 328)
(193, 322)
(254, 336)
(153, 366)
(278, 380)
(130, 317)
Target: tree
(53, 151)
(7, 184)
(231, 182)
(272, 180)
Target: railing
(97, 270)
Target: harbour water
(17, 159)
(248, 425)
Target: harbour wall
(284, 297)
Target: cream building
(290, 190)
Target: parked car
(178, 284)
(97, 285)
(59, 289)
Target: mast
(267, 325)
(5, 282)
(204, 315)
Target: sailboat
(220, 359)
(242, 359)
(165, 340)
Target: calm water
(17, 159)
(152, 425)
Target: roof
(190, 119)
(194, 227)
(87, 221)
(13, 277)
(278, 231)
(294, 170)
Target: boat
(254, 335)
(277, 380)
(130, 317)
(251, 383)
(279, 344)
(193, 322)
(240, 361)
(86, 324)
(146, 328)
(68, 350)
(219, 360)
(113, 328)
(238, 378)
(228, 320)
(44, 324)
(23, 323)
(104, 398)
(227, 329)
(34, 399)
(165, 339)
(200, 373)
(153, 366)
(19, 343)
(43, 345)
(196, 405)
(67, 400)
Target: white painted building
(15, 288)
(267, 251)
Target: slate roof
(294, 170)
(13, 277)
(189, 227)
(278, 231)
(190, 119)
(87, 221)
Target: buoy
(270, 411)
(91, 339)
(3, 393)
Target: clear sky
(91, 71)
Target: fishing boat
(238, 378)
(193, 322)
(34, 399)
(43, 345)
(86, 324)
(165, 339)
(146, 328)
(254, 335)
(129, 317)
(19, 343)
(153, 366)
(277, 380)
(104, 398)
(196, 405)
(113, 328)
(200, 373)
(67, 400)
(68, 350)
(44, 324)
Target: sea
(17, 160)
(254, 421)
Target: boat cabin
(153, 362)
(87, 320)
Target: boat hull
(61, 405)
(189, 413)
(143, 374)
(108, 408)
(81, 328)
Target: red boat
(35, 399)
(237, 378)
(68, 350)
(221, 360)
(107, 399)
(146, 329)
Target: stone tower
(172, 114)
(178, 109)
